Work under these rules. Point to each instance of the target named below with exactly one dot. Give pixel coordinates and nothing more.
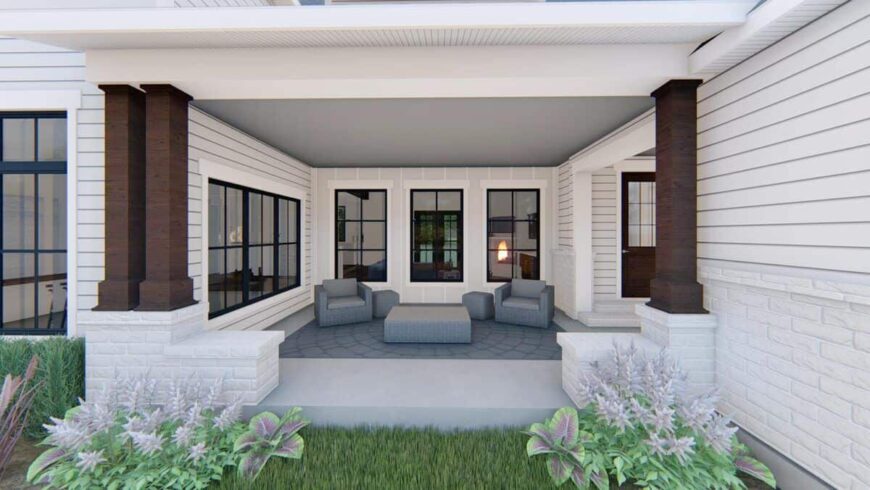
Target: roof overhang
(624, 22)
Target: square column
(166, 286)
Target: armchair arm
(364, 292)
(548, 300)
(320, 300)
(501, 293)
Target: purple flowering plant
(637, 424)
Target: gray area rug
(489, 340)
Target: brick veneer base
(174, 344)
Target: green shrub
(61, 375)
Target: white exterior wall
(398, 182)
(604, 231)
(216, 142)
(784, 242)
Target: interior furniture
(341, 302)
(479, 305)
(384, 301)
(428, 324)
(525, 302)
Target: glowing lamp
(502, 253)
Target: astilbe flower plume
(87, 461)
(197, 451)
(147, 442)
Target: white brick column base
(690, 339)
(175, 344)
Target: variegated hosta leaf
(251, 464)
(578, 476)
(756, 469)
(265, 424)
(600, 480)
(292, 447)
(245, 441)
(293, 426)
(43, 461)
(577, 453)
(537, 446)
(542, 431)
(559, 470)
(564, 426)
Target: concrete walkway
(446, 394)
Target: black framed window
(361, 235)
(436, 235)
(253, 246)
(34, 200)
(512, 234)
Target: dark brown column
(675, 288)
(166, 286)
(125, 198)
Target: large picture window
(361, 235)
(436, 236)
(253, 246)
(512, 234)
(34, 201)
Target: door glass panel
(19, 139)
(19, 199)
(641, 214)
(52, 140)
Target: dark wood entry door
(638, 233)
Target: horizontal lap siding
(26, 65)
(784, 152)
(783, 226)
(604, 208)
(565, 207)
(216, 141)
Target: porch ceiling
(430, 132)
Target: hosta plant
(123, 439)
(268, 436)
(637, 424)
(16, 398)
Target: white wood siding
(604, 209)
(565, 207)
(216, 141)
(783, 149)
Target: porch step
(446, 394)
(621, 305)
(598, 319)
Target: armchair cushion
(527, 288)
(342, 302)
(522, 303)
(336, 288)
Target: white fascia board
(490, 71)
(636, 136)
(56, 26)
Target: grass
(61, 372)
(386, 459)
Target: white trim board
(69, 101)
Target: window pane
(499, 206)
(424, 231)
(18, 290)
(268, 219)
(234, 277)
(450, 232)
(18, 212)
(52, 211)
(216, 218)
(500, 266)
(255, 218)
(375, 266)
(500, 231)
(283, 220)
(525, 204)
(374, 207)
(449, 201)
(18, 140)
(526, 235)
(293, 209)
(349, 205)
(526, 265)
(450, 266)
(234, 216)
(52, 140)
(348, 235)
(634, 192)
(423, 265)
(348, 264)
(262, 271)
(633, 236)
(286, 266)
(423, 201)
(52, 288)
(374, 235)
(216, 280)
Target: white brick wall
(793, 363)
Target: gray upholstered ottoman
(479, 305)
(384, 301)
(428, 324)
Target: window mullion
(246, 268)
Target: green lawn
(386, 459)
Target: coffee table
(428, 324)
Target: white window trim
(387, 185)
(212, 170)
(639, 164)
(410, 185)
(544, 219)
(69, 101)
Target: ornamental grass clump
(125, 440)
(637, 424)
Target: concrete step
(621, 305)
(596, 319)
(447, 394)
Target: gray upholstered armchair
(342, 301)
(525, 302)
